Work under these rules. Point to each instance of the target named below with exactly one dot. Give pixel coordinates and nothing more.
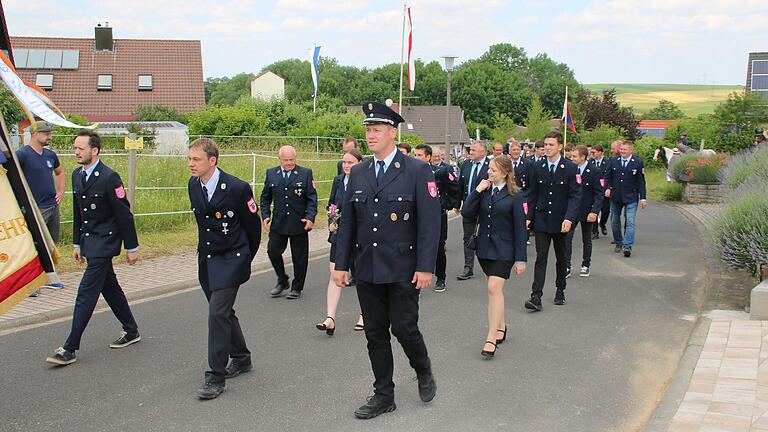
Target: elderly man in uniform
(291, 189)
(448, 189)
(473, 170)
(553, 204)
(102, 223)
(229, 232)
(520, 164)
(389, 227)
(625, 186)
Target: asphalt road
(599, 363)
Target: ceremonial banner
(411, 64)
(21, 271)
(30, 98)
(313, 69)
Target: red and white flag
(411, 65)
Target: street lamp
(448, 68)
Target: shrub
(671, 192)
(697, 169)
(645, 147)
(741, 233)
(747, 167)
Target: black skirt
(332, 256)
(500, 269)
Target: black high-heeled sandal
(489, 354)
(501, 341)
(328, 330)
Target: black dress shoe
(559, 298)
(617, 249)
(627, 252)
(533, 304)
(210, 390)
(375, 407)
(427, 387)
(277, 291)
(466, 274)
(293, 295)
(603, 230)
(235, 369)
(595, 236)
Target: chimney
(103, 36)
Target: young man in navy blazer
(592, 195)
(553, 204)
(625, 183)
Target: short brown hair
(349, 139)
(356, 153)
(208, 146)
(599, 148)
(555, 134)
(94, 139)
(569, 147)
(628, 142)
(405, 146)
(582, 150)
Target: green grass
(168, 234)
(658, 188)
(692, 99)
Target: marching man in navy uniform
(625, 186)
(291, 190)
(389, 226)
(102, 223)
(472, 171)
(520, 164)
(229, 232)
(592, 195)
(553, 204)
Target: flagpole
(400, 100)
(565, 118)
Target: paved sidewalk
(145, 279)
(729, 387)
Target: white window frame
(44, 85)
(145, 87)
(753, 75)
(103, 86)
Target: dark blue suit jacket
(292, 201)
(102, 214)
(391, 228)
(466, 171)
(523, 173)
(501, 234)
(592, 192)
(447, 186)
(551, 200)
(627, 185)
(228, 230)
(336, 198)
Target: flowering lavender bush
(747, 167)
(741, 233)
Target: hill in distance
(693, 99)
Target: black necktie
(623, 163)
(205, 192)
(84, 176)
(552, 169)
(380, 174)
(495, 191)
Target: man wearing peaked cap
(388, 228)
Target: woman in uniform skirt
(335, 204)
(500, 241)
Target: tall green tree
(226, 91)
(591, 111)
(484, 89)
(536, 121)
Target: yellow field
(691, 99)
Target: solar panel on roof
(52, 59)
(760, 82)
(36, 59)
(20, 57)
(760, 67)
(70, 59)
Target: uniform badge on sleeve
(578, 178)
(432, 189)
(252, 206)
(602, 182)
(525, 207)
(451, 177)
(120, 192)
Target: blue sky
(650, 41)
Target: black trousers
(543, 240)
(394, 305)
(299, 256)
(99, 278)
(469, 226)
(225, 338)
(441, 260)
(605, 214)
(586, 240)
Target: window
(104, 82)
(759, 82)
(44, 81)
(145, 82)
(760, 67)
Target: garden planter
(707, 193)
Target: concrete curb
(134, 296)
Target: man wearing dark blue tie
(625, 185)
(472, 171)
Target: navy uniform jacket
(391, 228)
(523, 173)
(102, 214)
(501, 234)
(552, 200)
(229, 232)
(293, 201)
(447, 186)
(592, 191)
(337, 198)
(603, 167)
(466, 171)
(627, 185)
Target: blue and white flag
(315, 57)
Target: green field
(692, 99)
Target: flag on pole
(315, 78)
(567, 119)
(411, 64)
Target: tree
(508, 56)
(593, 110)
(504, 128)
(603, 134)
(226, 91)
(665, 110)
(158, 113)
(537, 121)
(484, 89)
(12, 112)
(548, 79)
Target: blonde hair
(504, 165)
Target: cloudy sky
(614, 41)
